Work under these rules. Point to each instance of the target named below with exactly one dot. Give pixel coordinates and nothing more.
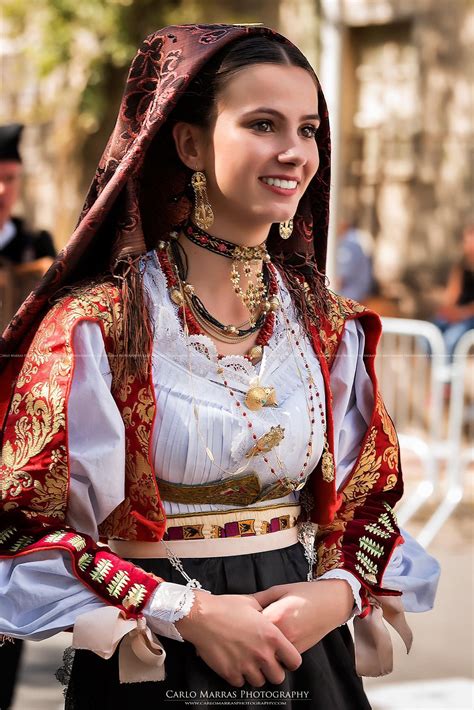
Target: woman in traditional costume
(196, 458)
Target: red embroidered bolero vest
(357, 530)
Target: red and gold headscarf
(111, 223)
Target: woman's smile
(286, 187)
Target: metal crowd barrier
(460, 428)
(413, 372)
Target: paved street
(437, 675)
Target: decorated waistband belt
(238, 490)
(220, 534)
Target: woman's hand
(306, 611)
(237, 641)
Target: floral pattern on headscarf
(110, 222)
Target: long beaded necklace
(328, 467)
(190, 327)
(266, 443)
(275, 435)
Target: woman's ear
(188, 140)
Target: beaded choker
(244, 261)
(198, 236)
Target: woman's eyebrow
(274, 112)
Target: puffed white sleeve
(39, 595)
(410, 570)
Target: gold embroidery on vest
(44, 406)
(367, 472)
(328, 558)
(390, 455)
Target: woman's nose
(292, 156)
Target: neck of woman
(210, 274)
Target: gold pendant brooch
(267, 442)
(258, 397)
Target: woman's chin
(276, 216)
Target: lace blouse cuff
(352, 581)
(169, 603)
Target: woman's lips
(279, 190)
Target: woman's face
(264, 130)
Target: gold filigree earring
(203, 214)
(286, 229)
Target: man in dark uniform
(18, 244)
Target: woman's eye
(309, 131)
(266, 125)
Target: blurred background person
(456, 314)
(18, 243)
(25, 254)
(354, 273)
(19, 246)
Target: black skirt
(326, 679)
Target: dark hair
(197, 105)
(198, 102)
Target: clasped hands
(257, 637)
(306, 611)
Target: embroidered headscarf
(110, 226)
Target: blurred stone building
(406, 135)
(397, 77)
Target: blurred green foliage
(100, 36)
(87, 46)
